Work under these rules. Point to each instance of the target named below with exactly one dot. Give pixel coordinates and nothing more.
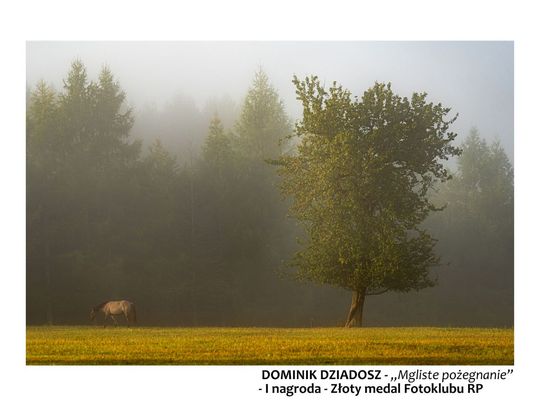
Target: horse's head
(92, 314)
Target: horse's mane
(99, 306)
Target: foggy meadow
(156, 172)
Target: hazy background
(476, 79)
(148, 232)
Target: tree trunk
(357, 308)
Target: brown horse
(112, 308)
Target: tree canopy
(359, 183)
(263, 124)
(191, 226)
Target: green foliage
(80, 180)
(263, 123)
(360, 183)
(197, 238)
(484, 184)
(217, 150)
(480, 196)
(160, 162)
(476, 235)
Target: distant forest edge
(193, 228)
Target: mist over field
(474, 78)
(152, 175)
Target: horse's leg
(127, 317)
(114, 319)
(105, 319)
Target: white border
(248, 20)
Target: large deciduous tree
(359, 181)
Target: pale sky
(475, 79)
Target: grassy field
(273, 346)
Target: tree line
(202, 234)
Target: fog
(475, 79)
(191, 223)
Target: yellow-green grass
(272, 346)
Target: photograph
(343, 203)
